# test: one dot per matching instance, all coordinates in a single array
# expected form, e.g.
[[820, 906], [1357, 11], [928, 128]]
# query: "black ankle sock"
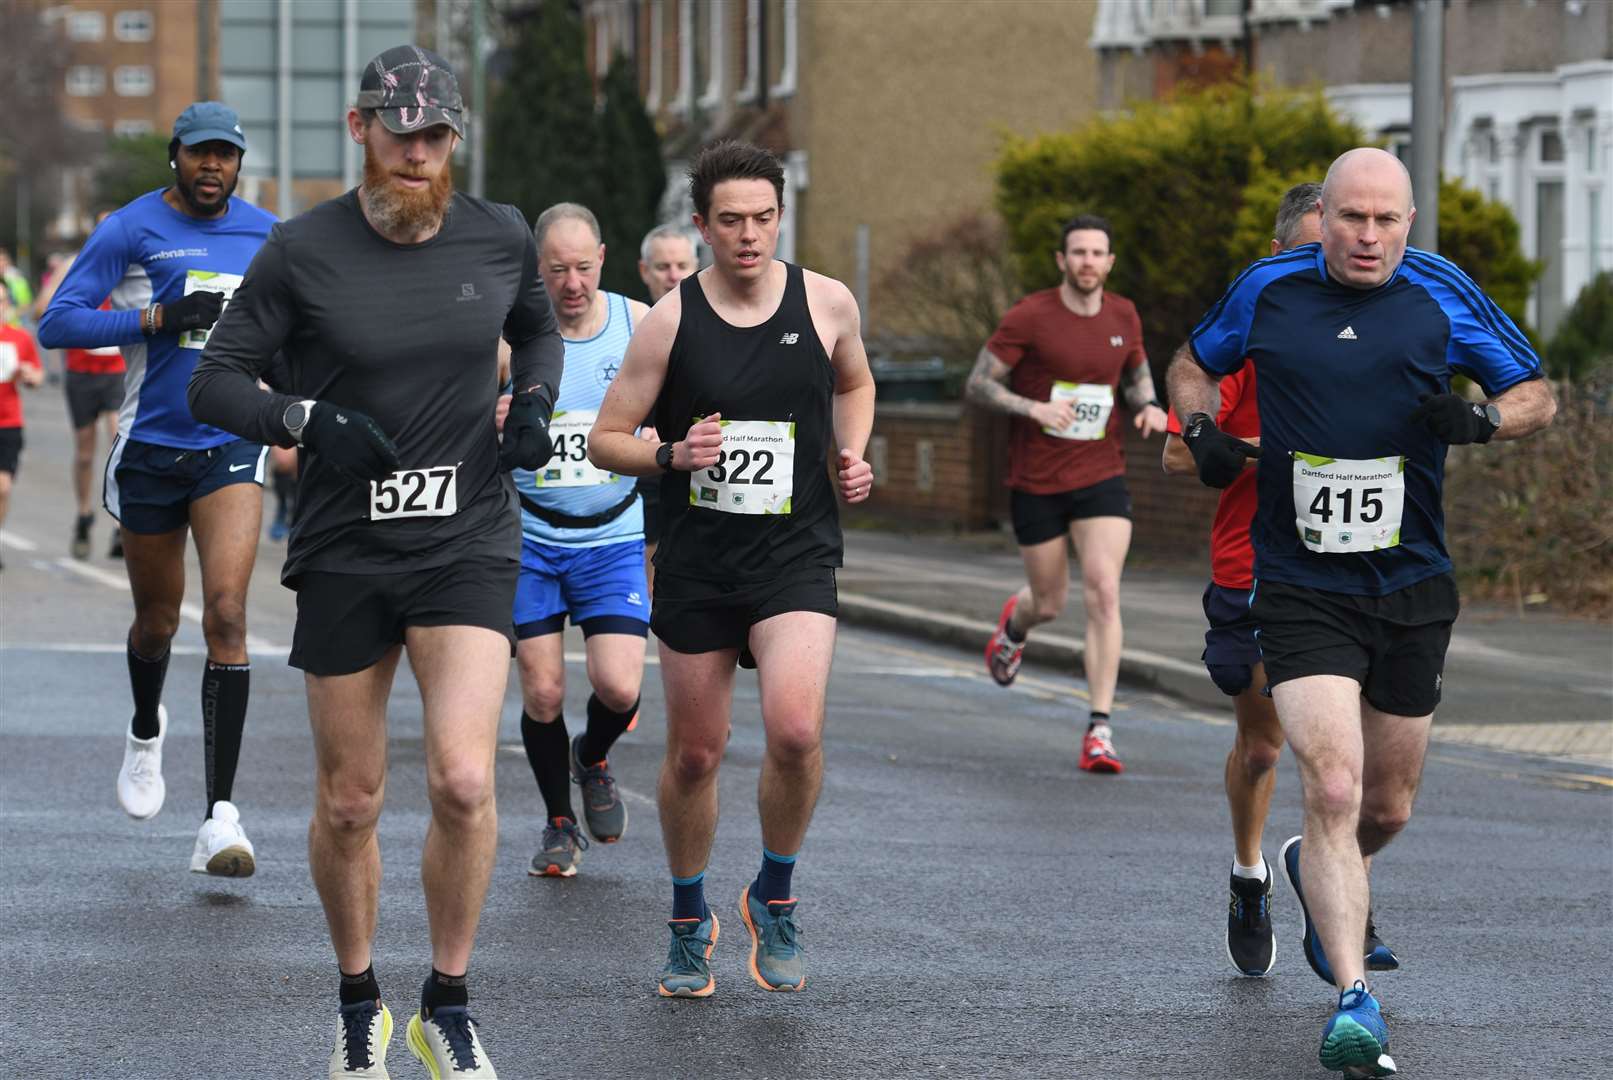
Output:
[[1016, 635], [548, 751], [224, 694], [604, 728], [689, 897], [145, 681], [443, 990], [359, 988], [1096, 719]]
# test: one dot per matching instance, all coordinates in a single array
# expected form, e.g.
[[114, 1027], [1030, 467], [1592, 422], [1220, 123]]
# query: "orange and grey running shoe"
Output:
[[776, 961], [688, 961], [1098, 751], [1003, 653], [560, 850]]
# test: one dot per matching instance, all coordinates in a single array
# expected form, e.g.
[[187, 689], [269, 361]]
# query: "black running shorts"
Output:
[[1039, 518], [1393, 645], [10, 448], [649, 489], [347, 622], [91, 393], [694, 616]]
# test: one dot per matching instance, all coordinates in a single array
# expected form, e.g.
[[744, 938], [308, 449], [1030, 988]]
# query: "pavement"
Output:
[[1531, 683]]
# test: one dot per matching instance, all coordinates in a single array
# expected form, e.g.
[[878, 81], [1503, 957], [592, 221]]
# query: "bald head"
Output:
[[1366, 215]]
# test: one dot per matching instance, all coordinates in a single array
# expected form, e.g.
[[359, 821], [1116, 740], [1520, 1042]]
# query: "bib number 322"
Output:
[[755, 473], [1343, 505], [415, 493]]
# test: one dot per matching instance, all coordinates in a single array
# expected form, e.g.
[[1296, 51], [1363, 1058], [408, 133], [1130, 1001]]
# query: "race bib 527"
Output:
[[416, 493]]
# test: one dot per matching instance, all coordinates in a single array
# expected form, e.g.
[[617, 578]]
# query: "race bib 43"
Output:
[[755, 470], [1341, 504], [570, 466]]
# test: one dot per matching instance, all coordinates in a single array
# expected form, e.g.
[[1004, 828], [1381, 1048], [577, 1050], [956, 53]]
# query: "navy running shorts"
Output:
[[602, 588], [149, 488], [1230, 649]]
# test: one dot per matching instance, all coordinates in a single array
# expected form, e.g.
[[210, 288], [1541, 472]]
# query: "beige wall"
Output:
[[902, 105], [171, 54]]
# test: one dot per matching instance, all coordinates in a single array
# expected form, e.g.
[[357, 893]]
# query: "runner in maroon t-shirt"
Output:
[[1054, 365], [1232, 654]]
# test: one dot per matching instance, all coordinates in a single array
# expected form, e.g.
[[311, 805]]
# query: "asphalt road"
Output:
[[971, 904]]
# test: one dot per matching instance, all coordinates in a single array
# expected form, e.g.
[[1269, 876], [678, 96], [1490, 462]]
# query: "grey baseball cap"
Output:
[[411, 89]]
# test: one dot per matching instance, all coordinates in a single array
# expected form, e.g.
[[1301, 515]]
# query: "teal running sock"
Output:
[[773, 883]]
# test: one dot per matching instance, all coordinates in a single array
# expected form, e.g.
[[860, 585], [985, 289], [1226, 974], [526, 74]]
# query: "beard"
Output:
[[198, 208], [395, 210], [1082, 290]]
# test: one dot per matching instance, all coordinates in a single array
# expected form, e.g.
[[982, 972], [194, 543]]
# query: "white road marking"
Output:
[[11, 539]]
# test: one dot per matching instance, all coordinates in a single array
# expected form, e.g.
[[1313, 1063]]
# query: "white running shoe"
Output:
[[448, 1046], [222, 848], [140, 784], [362, 1034]]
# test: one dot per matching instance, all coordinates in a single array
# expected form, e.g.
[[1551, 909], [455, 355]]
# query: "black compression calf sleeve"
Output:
[[548, 751], [604, 728], [224, 694], [145, 682]]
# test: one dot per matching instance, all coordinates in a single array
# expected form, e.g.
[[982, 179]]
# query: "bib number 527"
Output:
[[413, 493]]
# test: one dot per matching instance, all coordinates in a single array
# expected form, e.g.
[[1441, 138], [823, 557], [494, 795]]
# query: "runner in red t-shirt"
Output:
[[19, 363], [93, 385], [1232, 654], [1054, 365]]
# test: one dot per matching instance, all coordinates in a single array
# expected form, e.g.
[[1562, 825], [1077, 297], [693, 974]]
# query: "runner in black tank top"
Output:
[[776, 371], [757, 375]]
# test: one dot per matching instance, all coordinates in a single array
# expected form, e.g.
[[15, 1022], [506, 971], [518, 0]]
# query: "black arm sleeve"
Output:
[[537, 355], [243, 345]]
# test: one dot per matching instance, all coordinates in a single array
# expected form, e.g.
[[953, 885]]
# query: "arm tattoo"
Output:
[[987, 387], [1139, 388]]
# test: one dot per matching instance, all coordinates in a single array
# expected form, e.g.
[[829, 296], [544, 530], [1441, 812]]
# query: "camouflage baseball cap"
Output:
[[411, 89]]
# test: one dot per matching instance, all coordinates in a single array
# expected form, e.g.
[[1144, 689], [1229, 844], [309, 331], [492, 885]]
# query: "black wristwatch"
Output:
[[663, 456], [1493, 415]]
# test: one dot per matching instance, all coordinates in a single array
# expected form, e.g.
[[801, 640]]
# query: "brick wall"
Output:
[[942, 464]]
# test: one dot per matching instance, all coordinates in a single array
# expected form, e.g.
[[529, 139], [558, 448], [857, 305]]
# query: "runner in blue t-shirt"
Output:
[[169, 261], [1355, 342], [582, 554]]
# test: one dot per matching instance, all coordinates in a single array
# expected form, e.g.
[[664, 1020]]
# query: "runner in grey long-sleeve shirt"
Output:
[[388, 303]]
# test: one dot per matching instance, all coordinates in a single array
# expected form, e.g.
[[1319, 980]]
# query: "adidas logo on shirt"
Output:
[[1347, 334]]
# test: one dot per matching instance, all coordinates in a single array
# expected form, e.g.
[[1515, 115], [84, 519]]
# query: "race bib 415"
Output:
[[1343, 505]]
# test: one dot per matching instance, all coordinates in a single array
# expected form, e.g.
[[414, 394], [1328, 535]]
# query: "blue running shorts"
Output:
[[602, 588], [149, 487], [1230, 648]]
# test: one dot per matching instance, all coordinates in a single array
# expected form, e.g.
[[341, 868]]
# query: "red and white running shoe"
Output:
[[1003, 653], [1098, 751]]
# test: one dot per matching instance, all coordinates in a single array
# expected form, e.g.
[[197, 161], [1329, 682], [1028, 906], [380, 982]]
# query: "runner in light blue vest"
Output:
[[582, 555]]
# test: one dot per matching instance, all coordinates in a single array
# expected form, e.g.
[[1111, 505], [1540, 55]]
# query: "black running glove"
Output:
[[350, 442], [1219, 456], [527, 444], [1453, 419], [198, 311]]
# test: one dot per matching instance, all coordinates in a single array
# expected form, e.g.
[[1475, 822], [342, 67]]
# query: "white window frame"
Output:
[[750, 88], [127, 80], [716, 38], [85, 80], [652, 99], [145, 31], [86, 26], [786, 76]]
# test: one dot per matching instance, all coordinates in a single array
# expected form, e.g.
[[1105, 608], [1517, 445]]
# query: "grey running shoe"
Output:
[[602, 806], [563, 845], [688, 961], [446, 1043], [362, 1034], [776, 962]]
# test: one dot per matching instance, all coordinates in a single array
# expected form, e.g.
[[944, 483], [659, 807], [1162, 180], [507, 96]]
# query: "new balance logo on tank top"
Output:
[[768, 506], [569, 484], [148, 252], [1348, 488]]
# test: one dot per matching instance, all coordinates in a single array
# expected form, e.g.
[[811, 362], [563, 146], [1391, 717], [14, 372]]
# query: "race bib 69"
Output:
[[1092, 404]]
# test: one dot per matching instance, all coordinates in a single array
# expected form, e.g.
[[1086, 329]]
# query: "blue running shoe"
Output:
[[1356, 1042], [1379, 956], [1310, 938], [688, 962], [776, 962]]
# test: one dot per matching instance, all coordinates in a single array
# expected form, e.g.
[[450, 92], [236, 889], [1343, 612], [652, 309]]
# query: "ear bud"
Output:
[[172, 165]]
